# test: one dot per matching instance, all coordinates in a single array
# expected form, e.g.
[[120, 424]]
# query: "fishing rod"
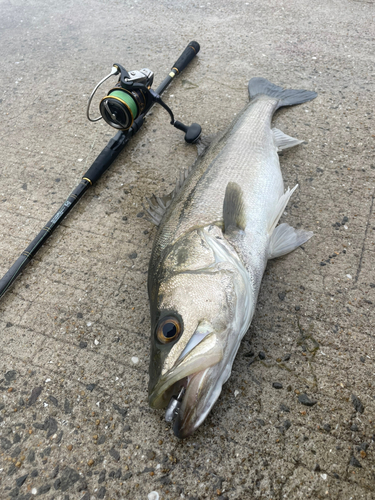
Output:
[[124, 108]]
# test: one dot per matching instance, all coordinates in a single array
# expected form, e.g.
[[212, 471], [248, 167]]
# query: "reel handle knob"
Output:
[[192, 133], [188, 54]]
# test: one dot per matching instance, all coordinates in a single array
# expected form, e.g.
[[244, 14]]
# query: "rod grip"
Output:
[[188, 54], [106, 157]]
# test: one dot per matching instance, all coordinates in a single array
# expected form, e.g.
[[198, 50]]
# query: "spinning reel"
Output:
[[127, 103]]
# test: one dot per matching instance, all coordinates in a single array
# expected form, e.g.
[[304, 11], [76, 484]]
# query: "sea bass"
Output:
[[217, 230]]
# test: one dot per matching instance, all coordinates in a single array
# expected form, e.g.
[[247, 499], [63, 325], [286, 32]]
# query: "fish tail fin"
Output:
[[286, 97]]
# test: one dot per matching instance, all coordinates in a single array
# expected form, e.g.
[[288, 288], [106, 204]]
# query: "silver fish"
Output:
[[217, 230]]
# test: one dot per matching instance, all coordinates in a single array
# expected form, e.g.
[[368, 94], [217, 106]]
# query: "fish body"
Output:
[[216, 233]]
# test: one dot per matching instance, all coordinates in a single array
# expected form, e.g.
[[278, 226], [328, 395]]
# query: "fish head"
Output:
[[197, 310]]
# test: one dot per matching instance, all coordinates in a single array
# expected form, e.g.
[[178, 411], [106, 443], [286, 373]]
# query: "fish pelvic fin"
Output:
[[157, 205], [279, 208], [285, 239], [234, 208], [285, 97], [283, 141]]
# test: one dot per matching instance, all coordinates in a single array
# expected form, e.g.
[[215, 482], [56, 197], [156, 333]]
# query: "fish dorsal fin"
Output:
[[285, 239], [279, 208], [204, 143], [158, 204], [234, 208], [283, 141]]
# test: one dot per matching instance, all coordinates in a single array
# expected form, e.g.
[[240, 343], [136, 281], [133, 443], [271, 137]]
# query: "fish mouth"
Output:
[[199, 397], [193, 374]]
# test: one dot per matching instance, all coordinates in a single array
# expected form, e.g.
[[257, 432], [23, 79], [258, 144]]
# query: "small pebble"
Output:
[[354, 462], [90, 462], [154, 495], [277, 385], [135, 360], [305, 400], [287, 424], [21, 480], [114, 454], [262, 355], [357, 404]]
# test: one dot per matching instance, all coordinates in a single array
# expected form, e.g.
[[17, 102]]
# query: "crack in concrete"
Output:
[[359, 268]]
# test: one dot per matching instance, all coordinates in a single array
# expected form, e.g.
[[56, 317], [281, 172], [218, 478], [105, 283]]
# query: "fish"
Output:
[[216, 232]]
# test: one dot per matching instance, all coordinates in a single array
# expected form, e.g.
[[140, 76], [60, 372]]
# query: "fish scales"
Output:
[[209, 256], [242, 159]]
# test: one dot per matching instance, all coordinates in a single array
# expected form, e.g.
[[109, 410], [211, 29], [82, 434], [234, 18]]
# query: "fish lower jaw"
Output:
[[190, 415], [206, 354], [182, 400]]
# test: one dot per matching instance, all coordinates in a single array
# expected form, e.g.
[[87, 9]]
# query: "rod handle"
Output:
[[188, 54], [106, 157]]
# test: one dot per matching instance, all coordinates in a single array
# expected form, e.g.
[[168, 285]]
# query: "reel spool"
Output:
[[120, 107]]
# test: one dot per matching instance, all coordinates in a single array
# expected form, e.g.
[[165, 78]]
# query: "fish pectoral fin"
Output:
[[283, 141], [279, 208], [285, 239], [234, 208]]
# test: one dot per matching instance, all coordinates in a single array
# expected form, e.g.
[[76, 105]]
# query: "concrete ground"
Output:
[[74, 419]]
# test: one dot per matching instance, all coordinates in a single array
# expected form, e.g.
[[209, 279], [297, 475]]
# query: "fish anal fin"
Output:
[[285, 239], [234, 208], [284, 141], [280, 207]]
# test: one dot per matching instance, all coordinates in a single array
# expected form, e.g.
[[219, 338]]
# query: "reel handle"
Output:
[[188, 54]]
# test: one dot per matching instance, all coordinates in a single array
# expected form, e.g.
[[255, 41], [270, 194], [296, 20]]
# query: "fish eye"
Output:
[[168, 329]]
